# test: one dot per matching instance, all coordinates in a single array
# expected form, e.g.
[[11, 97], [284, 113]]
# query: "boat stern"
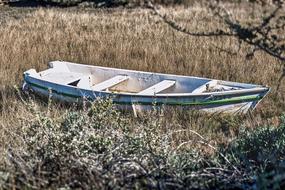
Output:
[[26, 75]]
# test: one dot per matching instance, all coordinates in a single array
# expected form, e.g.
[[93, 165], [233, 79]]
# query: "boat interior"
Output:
[[132, 82]]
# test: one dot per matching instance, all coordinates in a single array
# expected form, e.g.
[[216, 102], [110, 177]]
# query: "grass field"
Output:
[[181, 144]]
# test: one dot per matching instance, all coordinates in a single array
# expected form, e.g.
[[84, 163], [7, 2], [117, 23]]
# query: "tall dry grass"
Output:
[[135, 39], [131, 39]]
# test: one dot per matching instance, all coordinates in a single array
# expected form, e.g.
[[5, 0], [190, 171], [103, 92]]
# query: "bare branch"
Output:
[[177, 27], [262, 37]]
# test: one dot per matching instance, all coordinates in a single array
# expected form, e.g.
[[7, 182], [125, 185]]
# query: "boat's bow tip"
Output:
[[267, 88]]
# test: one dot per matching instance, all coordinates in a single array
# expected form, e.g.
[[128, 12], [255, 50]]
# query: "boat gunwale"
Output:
[[224, 101], [173, 95]]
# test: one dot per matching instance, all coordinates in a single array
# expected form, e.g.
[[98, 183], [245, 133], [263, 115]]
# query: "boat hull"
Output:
[[234, 103]]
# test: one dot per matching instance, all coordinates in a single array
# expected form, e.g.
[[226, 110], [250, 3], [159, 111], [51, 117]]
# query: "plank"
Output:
[[110, 82], [61, 77], [163, 85]]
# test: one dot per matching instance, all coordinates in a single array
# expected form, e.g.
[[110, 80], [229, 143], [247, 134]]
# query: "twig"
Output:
[[258, 36], [204, 142]]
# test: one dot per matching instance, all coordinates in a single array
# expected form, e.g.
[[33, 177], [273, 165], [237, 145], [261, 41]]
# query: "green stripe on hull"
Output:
[[225, 101]]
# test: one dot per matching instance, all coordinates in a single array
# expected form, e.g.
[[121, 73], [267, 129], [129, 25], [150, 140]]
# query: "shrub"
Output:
[[261, 152], [99, 148]]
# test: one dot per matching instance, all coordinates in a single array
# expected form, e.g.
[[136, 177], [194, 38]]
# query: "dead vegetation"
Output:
[[131, 39]]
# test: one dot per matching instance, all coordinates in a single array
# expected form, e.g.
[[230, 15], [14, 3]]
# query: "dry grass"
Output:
[[131, 39], [134, 39]]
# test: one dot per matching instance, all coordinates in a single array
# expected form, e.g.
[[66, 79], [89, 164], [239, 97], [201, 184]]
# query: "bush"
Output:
[[100, 148], [96, 148], [261, 152], [65, 149]]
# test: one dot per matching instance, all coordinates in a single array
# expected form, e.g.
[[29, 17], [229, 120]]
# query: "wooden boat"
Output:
[[72, 82]]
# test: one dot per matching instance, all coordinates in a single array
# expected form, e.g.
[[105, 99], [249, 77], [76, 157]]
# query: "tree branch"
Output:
[[262, 37]]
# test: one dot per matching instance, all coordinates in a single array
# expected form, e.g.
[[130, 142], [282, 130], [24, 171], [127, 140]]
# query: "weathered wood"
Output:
[[163, 85], [66, 78], [110, 82]]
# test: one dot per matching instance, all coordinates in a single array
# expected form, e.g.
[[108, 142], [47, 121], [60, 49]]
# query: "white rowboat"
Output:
[[72, 82]]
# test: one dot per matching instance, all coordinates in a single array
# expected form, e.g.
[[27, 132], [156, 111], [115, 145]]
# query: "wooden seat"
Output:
[[163, 85], [61, 77], [110, 82]]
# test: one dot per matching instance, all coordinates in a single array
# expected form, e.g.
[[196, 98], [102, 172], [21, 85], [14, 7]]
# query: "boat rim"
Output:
[[220, 93]]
